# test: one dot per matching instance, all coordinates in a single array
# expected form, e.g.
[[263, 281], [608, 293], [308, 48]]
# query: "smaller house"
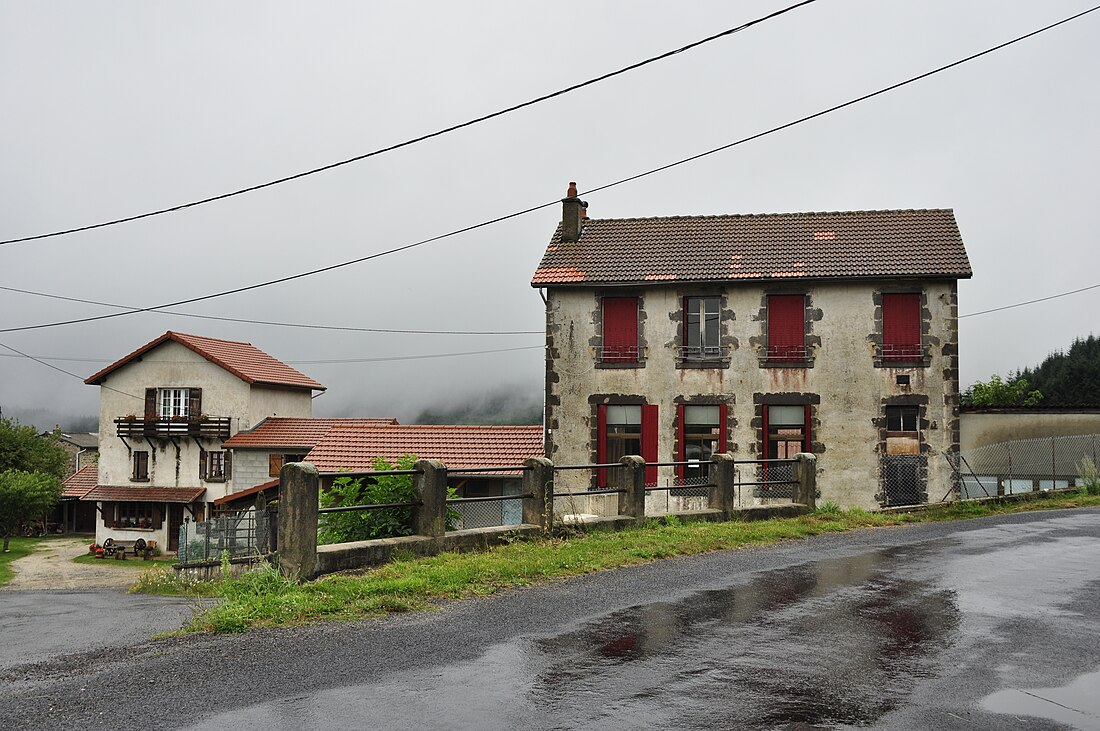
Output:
[[354, 445], [71, 514], [82, 448]]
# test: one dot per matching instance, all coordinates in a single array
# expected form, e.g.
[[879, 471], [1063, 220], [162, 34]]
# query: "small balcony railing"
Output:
[[787, 353], [210, 427], [619, 354], [703, 352], [901, 353]]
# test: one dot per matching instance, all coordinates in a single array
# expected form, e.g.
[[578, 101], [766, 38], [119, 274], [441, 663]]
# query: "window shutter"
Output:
[[157, 512], [202, 464], [681, 453], [601, 444], [274, 464], [228, 464], [649, 442], [107, 513], [723, 409], [620, 330], [150, 404], [194, 403], [807, 441], [901, 326], [786, 327]]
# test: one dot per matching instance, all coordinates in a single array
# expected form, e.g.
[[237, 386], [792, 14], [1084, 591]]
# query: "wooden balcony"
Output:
[[210, 427]]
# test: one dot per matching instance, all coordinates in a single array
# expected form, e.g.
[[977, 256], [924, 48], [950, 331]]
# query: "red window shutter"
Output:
[[649, 442], [620, 330], [150, 404], [901, 327], [681, 452], [722, 411], [786, 327], [807, 439], [601, 444]]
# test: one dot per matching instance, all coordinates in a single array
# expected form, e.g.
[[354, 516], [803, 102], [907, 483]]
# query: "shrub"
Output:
[[1090, 479]]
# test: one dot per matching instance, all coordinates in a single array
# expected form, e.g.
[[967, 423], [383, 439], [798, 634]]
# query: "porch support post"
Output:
[[721, 494], [538, 482], [632, 480], [299, 493], [805, 472]]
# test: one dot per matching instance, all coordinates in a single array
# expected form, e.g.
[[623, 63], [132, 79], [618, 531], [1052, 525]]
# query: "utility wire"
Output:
[[1030, 302], [307, 326], [421, 138], [531, 209], [62, 370]]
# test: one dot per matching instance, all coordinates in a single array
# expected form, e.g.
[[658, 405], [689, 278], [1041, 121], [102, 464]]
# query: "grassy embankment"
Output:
[[264, 599]]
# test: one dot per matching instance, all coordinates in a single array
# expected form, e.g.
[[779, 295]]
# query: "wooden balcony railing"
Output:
[[210, 427]]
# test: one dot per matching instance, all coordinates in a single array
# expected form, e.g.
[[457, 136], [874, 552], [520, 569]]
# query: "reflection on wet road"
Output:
[[824, 644]]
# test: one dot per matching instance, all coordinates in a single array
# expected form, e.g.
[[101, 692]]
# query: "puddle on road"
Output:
[[1077, 703], [832, 642]]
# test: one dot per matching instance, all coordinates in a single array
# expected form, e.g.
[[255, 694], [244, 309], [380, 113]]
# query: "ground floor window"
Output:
[[624, 430], [786, 431], [131, 515], [702, 434]]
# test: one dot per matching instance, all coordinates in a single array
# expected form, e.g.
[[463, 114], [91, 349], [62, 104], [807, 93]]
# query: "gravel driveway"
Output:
[[51, 567]]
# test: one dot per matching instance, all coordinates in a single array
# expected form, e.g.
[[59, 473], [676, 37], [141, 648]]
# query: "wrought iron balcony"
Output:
[[907, 353], [703, 352], [785, 353], [619, 354], [209, 427]]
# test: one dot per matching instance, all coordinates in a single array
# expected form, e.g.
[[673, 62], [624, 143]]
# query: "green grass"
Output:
[[264, 599], [18, 548], [129, 563]]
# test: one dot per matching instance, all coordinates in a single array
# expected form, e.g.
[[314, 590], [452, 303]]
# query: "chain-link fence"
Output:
[[487, 513], [904, 479], [244, 534], [1023, 465]]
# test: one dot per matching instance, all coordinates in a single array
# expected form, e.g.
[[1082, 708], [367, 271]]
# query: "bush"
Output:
[[1090, 480]]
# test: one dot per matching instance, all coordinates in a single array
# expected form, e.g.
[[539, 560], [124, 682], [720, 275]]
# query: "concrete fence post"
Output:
[[430, 519], [722, 493], [805, 472], [538, 482], [299, 493], [632, 480]]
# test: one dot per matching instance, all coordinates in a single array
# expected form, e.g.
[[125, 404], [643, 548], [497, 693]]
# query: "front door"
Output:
[[175, 520]]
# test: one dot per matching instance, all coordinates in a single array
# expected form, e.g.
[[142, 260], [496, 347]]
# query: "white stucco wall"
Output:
[[851, 389], [175, 462]]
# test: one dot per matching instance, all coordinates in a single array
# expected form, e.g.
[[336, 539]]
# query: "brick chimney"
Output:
[[573, 213]]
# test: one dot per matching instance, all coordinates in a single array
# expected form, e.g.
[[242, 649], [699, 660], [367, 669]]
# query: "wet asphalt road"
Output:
[[984, 624]]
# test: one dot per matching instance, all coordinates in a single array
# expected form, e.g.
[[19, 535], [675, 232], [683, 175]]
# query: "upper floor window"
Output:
[[275, 462], [173, 402], [786, 328], [140, 471], [620, 330], [702, 334], [901, 328], [215, 466]]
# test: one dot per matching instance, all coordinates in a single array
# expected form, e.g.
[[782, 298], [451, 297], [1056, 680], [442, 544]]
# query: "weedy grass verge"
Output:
[[263, 598]]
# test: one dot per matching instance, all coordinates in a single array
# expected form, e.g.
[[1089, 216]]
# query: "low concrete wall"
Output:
[[981, 427], [212, 570], [361, 554]]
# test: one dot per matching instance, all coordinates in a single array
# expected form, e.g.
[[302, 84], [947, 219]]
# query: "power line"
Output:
[[62, 370], [329, 361], [531, 209], [1030, 302], [421, 138], [346, 328]]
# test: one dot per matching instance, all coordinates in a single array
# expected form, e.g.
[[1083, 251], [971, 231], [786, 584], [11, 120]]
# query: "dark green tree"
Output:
[[1069, 378], [22, 449], [998, 392], [25, 497]]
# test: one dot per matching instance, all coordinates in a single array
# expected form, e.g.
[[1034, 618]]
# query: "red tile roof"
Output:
[[80, 483], [356, 447], [778, 246], [243, 360], [279, 431], [145, 494], [243, 494]]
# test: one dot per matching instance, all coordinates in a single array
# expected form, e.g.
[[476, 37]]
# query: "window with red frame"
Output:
[[620, 330], [901, 338], [623, 430], [702, 434], [786, 327]]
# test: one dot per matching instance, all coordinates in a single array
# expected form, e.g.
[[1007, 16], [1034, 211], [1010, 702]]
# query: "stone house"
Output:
[[165, 413], [761, 335]]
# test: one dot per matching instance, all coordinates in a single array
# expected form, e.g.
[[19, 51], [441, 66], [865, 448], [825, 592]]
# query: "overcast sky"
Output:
[[115, 108]]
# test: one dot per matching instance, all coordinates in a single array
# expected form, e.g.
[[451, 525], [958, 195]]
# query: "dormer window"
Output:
[[173, 402]]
